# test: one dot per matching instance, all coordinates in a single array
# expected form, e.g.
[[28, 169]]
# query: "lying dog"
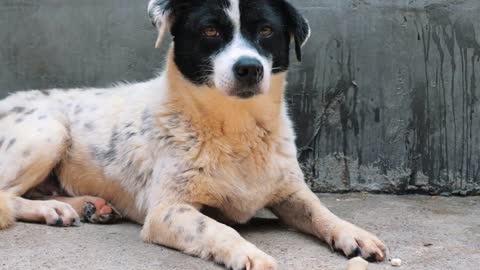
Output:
[[209, 137]]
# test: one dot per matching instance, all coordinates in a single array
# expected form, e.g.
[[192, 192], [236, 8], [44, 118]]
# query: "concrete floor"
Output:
[[426, 233]]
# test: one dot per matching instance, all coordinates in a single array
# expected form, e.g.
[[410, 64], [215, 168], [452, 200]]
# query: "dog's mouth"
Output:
[[244, 93], [231, 87]]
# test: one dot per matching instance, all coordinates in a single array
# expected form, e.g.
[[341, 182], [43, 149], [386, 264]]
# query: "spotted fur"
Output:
[[165, 151]]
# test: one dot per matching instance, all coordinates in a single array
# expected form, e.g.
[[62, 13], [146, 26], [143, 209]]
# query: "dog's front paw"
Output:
[[353, 242], [250, 257]]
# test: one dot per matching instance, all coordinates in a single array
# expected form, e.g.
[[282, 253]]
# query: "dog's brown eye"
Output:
[[265, 31], [211, 32]]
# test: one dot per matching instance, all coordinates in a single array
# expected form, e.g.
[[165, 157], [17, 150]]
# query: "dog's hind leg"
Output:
[[29, 150], [92, 209]]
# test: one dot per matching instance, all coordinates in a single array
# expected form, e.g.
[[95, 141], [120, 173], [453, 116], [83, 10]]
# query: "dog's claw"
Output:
[[355, 253], [76, 222], [59, 222], [372, 258], [355, 242]]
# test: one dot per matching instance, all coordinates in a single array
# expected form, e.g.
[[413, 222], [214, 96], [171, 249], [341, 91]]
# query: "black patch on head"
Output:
[[285, 21], [259, 13], [193, 50], [297, 25]]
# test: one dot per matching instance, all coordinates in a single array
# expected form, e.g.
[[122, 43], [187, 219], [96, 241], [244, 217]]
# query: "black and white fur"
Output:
[[211, 60]]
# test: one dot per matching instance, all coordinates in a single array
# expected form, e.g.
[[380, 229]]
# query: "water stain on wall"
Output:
[[417, 135]]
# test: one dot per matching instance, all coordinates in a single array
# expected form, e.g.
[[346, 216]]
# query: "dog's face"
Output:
[[234, 46]]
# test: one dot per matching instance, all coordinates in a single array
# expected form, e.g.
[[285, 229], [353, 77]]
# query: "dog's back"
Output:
[[83, 135]]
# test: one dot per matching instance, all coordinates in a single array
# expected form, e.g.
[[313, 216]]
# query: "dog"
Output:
[[208, 140]]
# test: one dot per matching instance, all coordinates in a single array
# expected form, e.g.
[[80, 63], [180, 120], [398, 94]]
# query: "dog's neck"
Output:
[[209, 109]]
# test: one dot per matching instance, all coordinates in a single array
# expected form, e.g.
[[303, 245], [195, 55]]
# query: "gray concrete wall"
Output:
[[386, 100]]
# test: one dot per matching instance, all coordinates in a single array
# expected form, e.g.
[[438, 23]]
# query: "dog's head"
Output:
[[235, 46]]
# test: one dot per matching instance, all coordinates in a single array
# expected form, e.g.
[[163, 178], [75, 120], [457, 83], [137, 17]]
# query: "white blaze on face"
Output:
[[234, 13], [223, 62]]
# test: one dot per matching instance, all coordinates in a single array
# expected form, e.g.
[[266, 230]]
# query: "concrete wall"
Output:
[[387, 98]]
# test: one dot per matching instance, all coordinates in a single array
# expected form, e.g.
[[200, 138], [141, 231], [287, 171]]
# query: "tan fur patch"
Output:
[[79, 177], [237, 139]]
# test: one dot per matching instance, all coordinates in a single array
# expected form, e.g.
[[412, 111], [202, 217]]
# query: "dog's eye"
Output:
[[211, 32], [265, 31]]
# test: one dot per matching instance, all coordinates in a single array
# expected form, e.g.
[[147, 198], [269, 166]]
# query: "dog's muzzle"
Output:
[[249, 73]]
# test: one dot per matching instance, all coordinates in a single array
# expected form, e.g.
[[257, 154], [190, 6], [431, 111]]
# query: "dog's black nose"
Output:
[[248, 71]]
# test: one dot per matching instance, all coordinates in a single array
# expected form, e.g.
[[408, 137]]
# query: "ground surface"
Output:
[[426, 233]]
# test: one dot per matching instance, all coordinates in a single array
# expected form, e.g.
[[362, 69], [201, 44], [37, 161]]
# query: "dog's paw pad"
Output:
[[99, 212]]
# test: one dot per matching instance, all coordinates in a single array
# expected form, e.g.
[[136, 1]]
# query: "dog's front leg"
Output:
[[301, 209], [183, 227]]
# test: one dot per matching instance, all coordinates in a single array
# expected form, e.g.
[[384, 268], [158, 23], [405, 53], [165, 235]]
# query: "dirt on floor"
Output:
[[425, 232]]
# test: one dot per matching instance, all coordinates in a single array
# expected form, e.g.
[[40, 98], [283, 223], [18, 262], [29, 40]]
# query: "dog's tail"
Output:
[[7, 217]]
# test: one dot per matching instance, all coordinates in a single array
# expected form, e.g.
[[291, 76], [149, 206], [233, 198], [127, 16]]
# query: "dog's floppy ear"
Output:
[[161, 15], [297, 26]]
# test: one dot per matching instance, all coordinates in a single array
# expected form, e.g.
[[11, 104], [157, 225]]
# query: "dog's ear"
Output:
[[298, 27], [161, 15]]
